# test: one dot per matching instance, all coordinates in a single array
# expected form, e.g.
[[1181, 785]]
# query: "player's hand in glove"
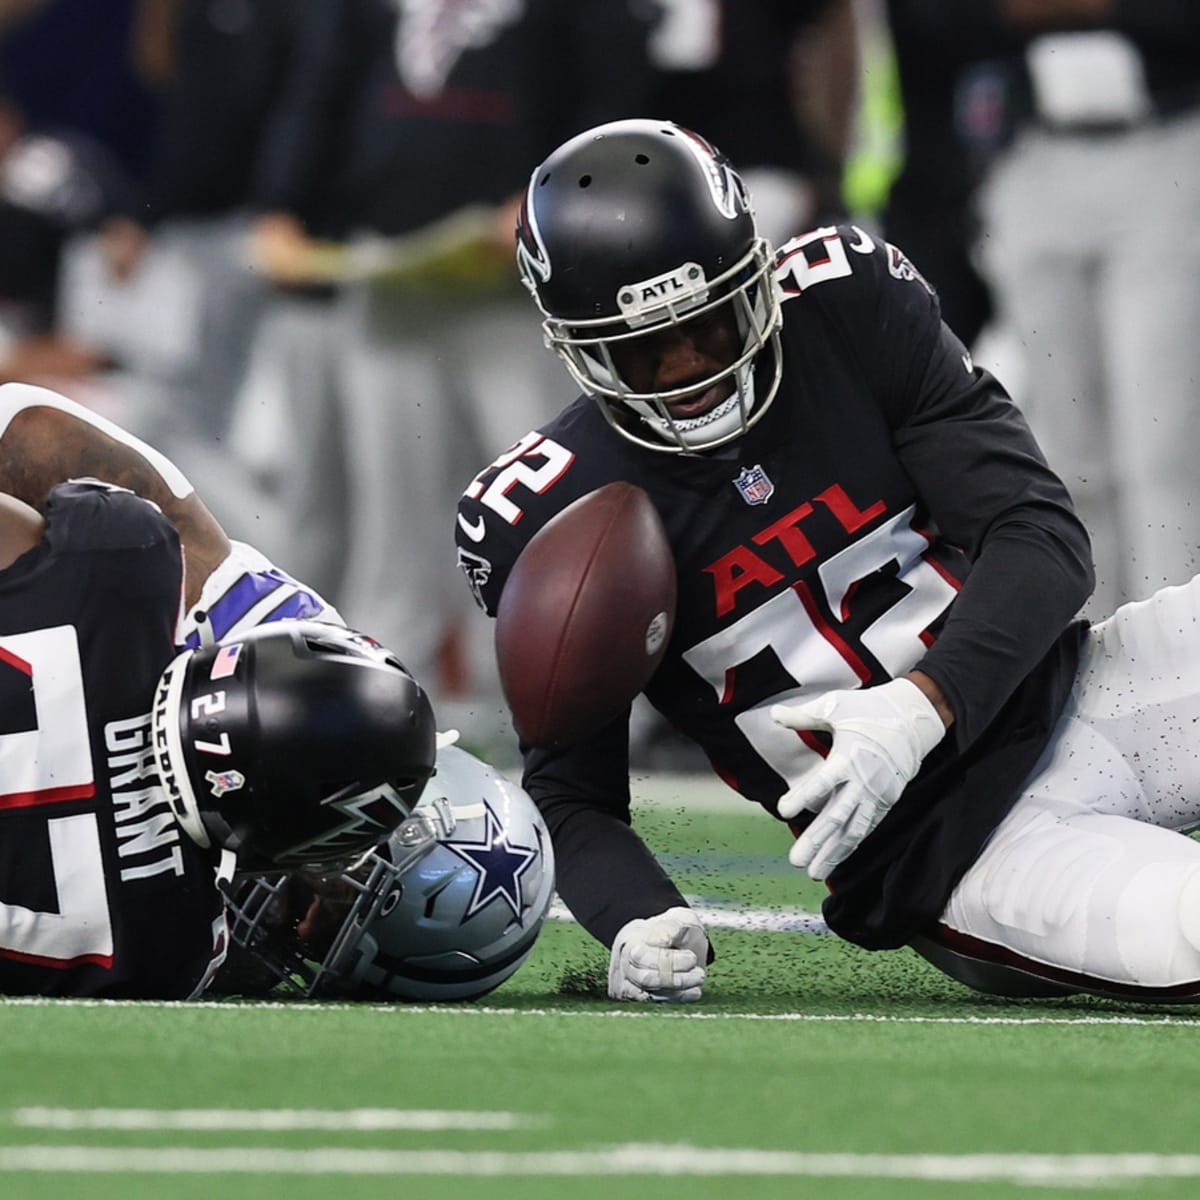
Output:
[[881, 735], [661, 958]]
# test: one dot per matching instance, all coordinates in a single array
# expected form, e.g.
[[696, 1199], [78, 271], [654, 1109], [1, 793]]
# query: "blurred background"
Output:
[[274, 238]]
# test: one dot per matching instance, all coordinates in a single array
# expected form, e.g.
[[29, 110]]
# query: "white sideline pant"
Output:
[[1092, 247]]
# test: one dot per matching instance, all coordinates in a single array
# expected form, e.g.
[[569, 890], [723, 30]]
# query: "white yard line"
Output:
[[1079, 1170], [632, 1012], [267, 1119], [719, 916]]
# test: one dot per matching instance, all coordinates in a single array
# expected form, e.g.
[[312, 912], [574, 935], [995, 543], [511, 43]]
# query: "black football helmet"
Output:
[[298, 743], [634, 226]]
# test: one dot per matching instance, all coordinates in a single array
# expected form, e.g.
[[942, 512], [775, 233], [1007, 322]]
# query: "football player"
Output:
[[140, 758], [879, 576]]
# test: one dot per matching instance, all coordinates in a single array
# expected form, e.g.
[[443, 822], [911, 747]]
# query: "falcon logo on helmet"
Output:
[[729, 193], [532, 259]]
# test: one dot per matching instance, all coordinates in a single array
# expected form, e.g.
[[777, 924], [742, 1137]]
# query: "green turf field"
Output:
[[810, 1068]]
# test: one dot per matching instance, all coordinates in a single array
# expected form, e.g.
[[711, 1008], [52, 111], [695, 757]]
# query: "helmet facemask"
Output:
[[266, 910], [378, 881], [748, 289]]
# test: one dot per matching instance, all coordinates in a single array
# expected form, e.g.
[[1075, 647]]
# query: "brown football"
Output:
[[585, 615]]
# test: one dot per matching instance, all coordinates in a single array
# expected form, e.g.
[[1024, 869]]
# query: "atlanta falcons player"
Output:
[[129, 772], [879, 577]]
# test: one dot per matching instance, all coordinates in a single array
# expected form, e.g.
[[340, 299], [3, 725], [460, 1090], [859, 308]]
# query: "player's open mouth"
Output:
[[699, 403]]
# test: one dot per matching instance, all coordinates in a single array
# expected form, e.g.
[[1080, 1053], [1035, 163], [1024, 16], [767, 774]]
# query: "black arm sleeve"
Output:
[[299, 139], [605, 873], [974, 461]]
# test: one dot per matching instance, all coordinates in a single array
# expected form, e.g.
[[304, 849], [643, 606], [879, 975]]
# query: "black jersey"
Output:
[[729, 69], [100, 892], [397, 114], [830, 547]]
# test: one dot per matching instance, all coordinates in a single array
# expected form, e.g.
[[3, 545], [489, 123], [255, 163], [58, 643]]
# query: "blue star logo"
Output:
[[498, 863]]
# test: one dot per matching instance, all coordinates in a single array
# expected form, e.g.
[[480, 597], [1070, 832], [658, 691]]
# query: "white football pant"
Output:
[[1089, 884]]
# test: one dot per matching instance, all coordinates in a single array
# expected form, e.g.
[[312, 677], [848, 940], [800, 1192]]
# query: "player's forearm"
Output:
[[46, 439], [1027, 585], [932, 692], [605, 873]]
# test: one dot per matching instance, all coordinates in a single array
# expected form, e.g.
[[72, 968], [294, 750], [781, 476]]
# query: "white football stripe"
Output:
[[783, 920], [617, 1012], [1078, 1170], [270, 1119]]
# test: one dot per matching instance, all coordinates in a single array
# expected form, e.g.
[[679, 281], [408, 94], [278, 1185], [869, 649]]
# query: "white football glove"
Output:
[[662, 958], [881, 735]]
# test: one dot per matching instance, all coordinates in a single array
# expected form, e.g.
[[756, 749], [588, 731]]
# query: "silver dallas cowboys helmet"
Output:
[[447, 909]]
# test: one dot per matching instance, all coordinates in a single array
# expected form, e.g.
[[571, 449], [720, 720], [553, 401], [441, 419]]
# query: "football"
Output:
[[585, 615]]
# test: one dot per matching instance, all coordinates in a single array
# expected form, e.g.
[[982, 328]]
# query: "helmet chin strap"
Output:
[[226, 868]]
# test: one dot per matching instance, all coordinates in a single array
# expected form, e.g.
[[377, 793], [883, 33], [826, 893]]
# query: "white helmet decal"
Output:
[[729, 195], [532, 257]]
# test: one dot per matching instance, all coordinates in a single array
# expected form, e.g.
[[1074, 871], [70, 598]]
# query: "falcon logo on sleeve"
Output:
[[900, 267], [478, 571]]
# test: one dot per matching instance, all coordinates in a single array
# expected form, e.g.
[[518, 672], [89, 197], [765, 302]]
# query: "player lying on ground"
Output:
[[131, 772], [878, 580]]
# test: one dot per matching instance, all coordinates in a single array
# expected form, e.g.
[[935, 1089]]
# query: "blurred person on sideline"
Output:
[[53, 184], [77, 65], [391, 179], [952, 118], [168, 285], [773, 83], [1089, 240], [76, 122]]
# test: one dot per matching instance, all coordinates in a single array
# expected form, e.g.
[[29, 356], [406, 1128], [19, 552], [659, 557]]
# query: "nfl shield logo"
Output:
[[754, 485]]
